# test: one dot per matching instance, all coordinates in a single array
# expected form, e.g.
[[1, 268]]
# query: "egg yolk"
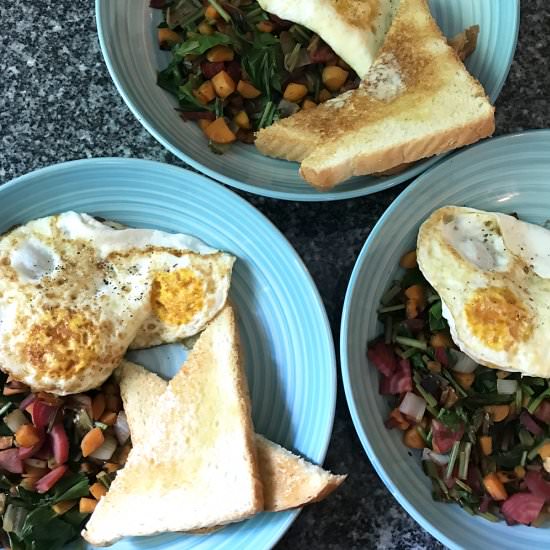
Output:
[[62, 342], [177, 296], [498, 318]]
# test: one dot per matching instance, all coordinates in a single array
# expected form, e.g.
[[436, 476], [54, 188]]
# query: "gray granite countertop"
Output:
[[57, 102]]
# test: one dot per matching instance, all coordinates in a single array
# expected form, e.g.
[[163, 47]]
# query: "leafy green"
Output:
[[435, 317], [71, 487], [44, 530], [199, 44], [171, 77], [187, 101], [450, 418]]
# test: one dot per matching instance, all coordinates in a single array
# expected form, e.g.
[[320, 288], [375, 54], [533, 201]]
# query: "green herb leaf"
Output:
[[435, 317], [199, 44], [71, 487]]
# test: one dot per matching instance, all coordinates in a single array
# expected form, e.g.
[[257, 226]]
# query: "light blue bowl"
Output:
[[508, 174], [127, 34], [288, 349]]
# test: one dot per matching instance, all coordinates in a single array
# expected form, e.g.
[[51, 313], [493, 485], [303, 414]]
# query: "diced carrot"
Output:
[[486, 444], [87, 505], [324, 95], [295, 92], [29, 483], [111, 467], [98, 406], [205, 93], [61, 507], [441, 340], [223, 84], [6, 442], [91, 441], [494, 487], [33, 471], [241, 120], [113, 403], [247, 90], [415, 292], [308, 104], [519, 471], [211, 13], [544, 451], [413, 439], [204, 123], [98, 490], [334, 77], [498, 412], [408, 260], [108, 418], [27, 435], [465, 379], [205, 28], [265, 26], [167, 37], [219, 132], [505, 477], [220, 53], [399, 419]]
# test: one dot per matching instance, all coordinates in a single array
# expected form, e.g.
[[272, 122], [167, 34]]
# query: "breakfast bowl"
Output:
[[508, 174], [128, 38], [288, 354]]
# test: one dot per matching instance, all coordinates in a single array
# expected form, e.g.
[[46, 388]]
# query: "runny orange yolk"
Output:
[[177, 296], [498, 318]]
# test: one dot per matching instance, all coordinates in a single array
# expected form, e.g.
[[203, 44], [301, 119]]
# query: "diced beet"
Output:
[[28, 452], [414, 325], [45, 452], [474, 478], [543, 412], [522, 508], [485, 503], [538, 485], [27, 401], [443, 438], [211, 69], [530, 423], [10, 461], [44, 484], [59, 443], [198, 115], [383, 357], [157, 4], [322, 54], [400, 381], [441, 356], [42, 413], [233, 69]]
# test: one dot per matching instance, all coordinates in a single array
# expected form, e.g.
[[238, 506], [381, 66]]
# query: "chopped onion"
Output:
[[462, 363], [439, 459], [105, 452], [413, 406], [15, 420], [122, 430], [36, 463], [507, 387]]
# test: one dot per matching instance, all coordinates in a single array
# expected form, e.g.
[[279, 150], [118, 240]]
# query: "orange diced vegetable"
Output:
[[295, 92], [111, 467], [108, 418], [505, 477], [544, 451], [33, 471], [98, 490], [247, 90], [265, 26], [486, 444], [334, 77], [29, 483], [408, 260], [91, 441], [465, 379], [205, 93], [308, 104], [220, 53], [434, 366], [415, 292], [413, 439], [87, 468], [519, 471], [223, 84], [87, 505], [324, 95], [98, 406], [211, 13], [168, 37], [400, 421], [219, 132], [27, 435], [498, 412], [205, 28], [495, 487], [204, 123], [440, 340], [61, 507], [241, 120]]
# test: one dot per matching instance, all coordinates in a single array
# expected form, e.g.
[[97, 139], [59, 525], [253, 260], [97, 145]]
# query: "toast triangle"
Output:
[[197, 468], [416, 101], [289, 481]]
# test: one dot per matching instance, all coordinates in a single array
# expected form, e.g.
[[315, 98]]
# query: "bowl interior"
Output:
[[128, 40], [509, 174], [286, 339]]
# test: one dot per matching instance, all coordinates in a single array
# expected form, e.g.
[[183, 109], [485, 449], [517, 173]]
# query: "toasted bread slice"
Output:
[[288, 480], [197, 468], [416, 101], [354, 29]]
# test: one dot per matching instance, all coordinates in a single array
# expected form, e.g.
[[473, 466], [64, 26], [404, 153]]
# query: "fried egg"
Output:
[[75, 293], [492, 273]]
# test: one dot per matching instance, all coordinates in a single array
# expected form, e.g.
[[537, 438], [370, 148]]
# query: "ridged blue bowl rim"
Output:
[[345, 330], [320, 197]]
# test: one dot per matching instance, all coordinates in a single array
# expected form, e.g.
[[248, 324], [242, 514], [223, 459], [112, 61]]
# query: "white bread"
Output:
[[197, 468], [288, 480], [416, 101]]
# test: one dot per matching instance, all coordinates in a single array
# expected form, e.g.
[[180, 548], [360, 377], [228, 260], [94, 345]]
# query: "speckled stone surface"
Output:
[[57, 103]]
